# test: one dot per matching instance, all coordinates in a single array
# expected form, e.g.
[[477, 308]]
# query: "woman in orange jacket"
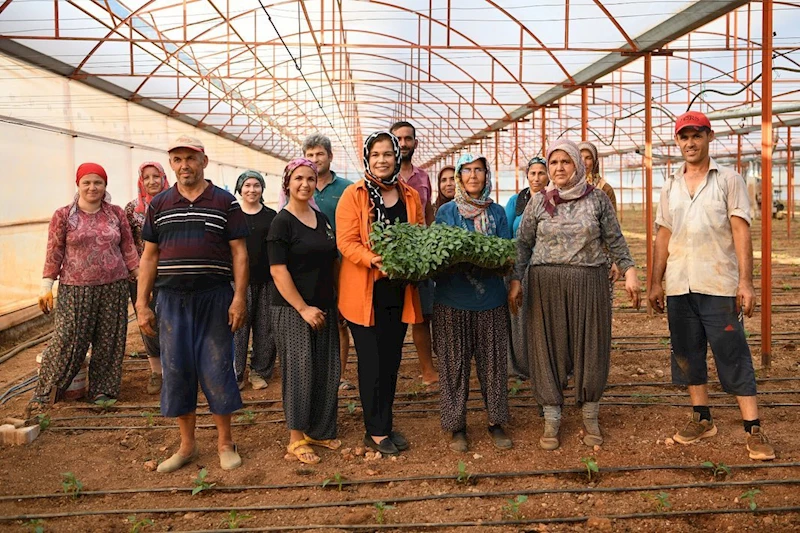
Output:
[[377, 309]]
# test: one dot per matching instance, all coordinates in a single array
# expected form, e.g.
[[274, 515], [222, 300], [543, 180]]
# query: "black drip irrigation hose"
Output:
[[407, 499], [407, 479], [520, 522]]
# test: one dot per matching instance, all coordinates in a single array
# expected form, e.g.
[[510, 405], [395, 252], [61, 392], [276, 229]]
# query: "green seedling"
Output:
[[200, 483], [35, 525], [662, 501], [233, 520], [511, 508], [786, 287], [149, 415], [71, 484], [464, 477], [247, 416], [417, 389], [105, 405], [351, 407], [337, 479], [381, 507], [750, 497], [515, 388], [592, 470], [718, 470], [139, 525], [664, 341], [44, 421]]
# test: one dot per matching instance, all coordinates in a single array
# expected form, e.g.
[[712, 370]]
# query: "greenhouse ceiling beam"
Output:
[[691, 18]]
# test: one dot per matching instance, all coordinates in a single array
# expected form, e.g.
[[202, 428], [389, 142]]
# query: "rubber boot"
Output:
[[552, 423], [593, 436]]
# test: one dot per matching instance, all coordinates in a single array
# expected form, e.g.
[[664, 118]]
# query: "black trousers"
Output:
[[379, 350]]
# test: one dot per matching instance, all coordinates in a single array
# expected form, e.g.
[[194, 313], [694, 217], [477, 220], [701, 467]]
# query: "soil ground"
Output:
[[637, 417]]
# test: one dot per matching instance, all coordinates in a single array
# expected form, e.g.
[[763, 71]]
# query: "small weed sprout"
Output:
[[233, 520], [337, 479], [515, 388], [200, 483], [105, 405], [786, 287], [71, 484], [662, 501], [718, 470], [247, 416], [418, 389], [592, 470], [664, 341], [44, 421], [464, 477], [381, 508], [148, 415], [35, 526], [511, 508], [750, 497], [138, 525], [351, 407]]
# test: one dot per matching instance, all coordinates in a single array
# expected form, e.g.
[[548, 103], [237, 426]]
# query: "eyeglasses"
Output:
[[475, 171]]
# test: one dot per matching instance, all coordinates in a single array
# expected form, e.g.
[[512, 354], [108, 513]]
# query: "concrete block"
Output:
[[18, 436], [26, 435], [7, 434]]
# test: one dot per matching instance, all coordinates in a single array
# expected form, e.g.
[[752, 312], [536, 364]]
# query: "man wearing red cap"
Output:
[[704, 252], [194, 247]]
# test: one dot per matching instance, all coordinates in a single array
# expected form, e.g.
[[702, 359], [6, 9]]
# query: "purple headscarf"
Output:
[[294, 164]]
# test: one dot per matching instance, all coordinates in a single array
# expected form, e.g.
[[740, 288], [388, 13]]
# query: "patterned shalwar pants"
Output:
[[262, 360]]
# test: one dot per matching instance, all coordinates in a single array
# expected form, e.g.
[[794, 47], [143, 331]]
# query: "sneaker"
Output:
[[695, 430], [154, 384], [257, 381], [758, 445]]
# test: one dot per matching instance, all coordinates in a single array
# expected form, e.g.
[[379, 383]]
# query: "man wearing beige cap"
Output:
[[194, 237], [704, 250]]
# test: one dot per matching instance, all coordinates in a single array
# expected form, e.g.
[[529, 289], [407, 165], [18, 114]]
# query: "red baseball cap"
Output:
[[692, 119]]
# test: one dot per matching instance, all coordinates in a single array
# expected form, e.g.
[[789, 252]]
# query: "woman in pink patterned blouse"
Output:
[[90, 251], [152, 180]]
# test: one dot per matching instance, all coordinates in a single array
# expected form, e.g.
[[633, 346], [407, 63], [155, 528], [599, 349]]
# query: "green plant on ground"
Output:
[[464, 477], [139, 524], [71, 484], [750, 497], [233, 520], [417, 389], [105, 405], [786, 287], [515, 388], [592, 470], [718, 470], [664, 341], [247, 416], [35, 525], [351, 407], [44, 421], [662, 501], [511, 508], [200, 483], [381, 508], [337, 479], [149, 415]]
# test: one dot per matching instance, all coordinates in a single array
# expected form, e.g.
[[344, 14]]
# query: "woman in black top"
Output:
[[303, 255], [250, 187]]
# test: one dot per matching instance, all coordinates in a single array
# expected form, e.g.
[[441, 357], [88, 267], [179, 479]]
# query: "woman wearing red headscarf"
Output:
[[90, 250], [152, 180]]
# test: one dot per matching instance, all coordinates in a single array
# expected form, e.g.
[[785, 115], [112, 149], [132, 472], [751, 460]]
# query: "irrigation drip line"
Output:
[[409, 499], [520, 522], [407, 479]]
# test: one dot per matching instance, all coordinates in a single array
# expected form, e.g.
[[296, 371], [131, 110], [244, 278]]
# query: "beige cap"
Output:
[[185, 141]]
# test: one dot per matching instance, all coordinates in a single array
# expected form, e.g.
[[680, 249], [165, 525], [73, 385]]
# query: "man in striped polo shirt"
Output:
[[194, 246]]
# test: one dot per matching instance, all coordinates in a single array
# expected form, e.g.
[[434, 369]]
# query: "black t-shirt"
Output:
[[257, 244], [397, 213], [309, 255]]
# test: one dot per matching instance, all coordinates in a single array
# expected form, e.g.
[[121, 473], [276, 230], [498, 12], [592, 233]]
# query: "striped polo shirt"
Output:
[[192, 237]]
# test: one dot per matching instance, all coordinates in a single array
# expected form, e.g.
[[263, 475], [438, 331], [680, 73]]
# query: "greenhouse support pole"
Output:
[[789, 183], [584, 114], [648, 167], [766, 184]]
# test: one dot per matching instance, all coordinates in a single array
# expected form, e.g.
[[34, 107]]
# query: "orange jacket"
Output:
[[357, 277]]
